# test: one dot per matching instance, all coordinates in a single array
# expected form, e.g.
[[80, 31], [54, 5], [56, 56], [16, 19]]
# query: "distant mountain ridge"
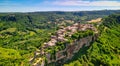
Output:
[[99, 13]]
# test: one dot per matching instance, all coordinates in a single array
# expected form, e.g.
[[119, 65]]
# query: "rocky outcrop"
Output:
[[71, 48]]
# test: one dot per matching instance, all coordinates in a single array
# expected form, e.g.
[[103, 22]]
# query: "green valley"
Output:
[[59, 38]]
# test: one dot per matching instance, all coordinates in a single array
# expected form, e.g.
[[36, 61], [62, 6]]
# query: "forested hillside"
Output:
[[106, 50], [23, 33]]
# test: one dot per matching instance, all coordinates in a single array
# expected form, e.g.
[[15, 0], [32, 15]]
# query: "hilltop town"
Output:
[[60, 37], [69, 30]]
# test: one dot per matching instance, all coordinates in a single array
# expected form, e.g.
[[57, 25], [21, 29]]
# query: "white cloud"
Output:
[[86, 3]]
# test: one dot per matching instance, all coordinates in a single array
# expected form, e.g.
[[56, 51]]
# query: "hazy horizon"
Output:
[[57, 11]]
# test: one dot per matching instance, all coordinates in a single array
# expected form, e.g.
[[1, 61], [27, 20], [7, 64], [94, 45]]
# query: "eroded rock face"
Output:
[[68, 53]]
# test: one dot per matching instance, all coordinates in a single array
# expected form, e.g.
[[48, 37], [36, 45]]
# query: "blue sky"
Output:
[[57, 5]]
